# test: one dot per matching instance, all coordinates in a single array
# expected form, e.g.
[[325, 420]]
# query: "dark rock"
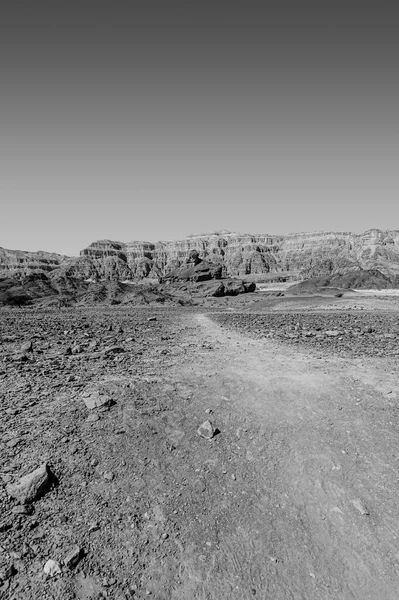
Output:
[[73, 557], [8, 572], [113, 350]]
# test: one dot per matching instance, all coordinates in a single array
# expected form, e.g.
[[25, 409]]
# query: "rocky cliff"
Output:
[[296, 256], [299, 255], [19, 262]]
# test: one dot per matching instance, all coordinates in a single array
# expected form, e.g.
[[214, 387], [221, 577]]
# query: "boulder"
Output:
[[31, 486]]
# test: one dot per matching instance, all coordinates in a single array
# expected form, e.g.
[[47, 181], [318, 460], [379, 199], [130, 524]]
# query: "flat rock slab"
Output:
[[31, 486]]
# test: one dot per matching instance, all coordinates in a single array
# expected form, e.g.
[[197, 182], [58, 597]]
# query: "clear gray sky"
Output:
[[154, 119]]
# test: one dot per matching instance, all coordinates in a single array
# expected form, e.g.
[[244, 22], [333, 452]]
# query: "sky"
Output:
[[156, 119]]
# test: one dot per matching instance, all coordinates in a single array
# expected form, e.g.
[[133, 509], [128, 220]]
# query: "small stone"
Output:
[[199, 486], [27, 347], [14, 442], [206, 430], [23, 509], [96, 400], [359, 505], [73, 557], [52, 568], [113, 350], [29, 487], [208, 411], [151, 319], [332, 333], [108, 475], [93, 418]]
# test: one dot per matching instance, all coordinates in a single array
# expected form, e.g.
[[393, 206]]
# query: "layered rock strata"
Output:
[[297, 255]]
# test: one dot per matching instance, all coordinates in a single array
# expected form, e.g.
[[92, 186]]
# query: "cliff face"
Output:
[[20, 263], [299, 255]]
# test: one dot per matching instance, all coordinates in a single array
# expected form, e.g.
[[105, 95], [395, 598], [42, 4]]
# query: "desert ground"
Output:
[[110, 487]]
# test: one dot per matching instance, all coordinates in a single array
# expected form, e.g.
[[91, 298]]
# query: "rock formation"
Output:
[[292, 256]]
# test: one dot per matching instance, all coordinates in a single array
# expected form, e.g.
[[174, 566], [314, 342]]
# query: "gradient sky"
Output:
[[154, 119]]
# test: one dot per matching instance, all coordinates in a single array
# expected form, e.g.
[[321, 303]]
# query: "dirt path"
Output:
[[306, 504]]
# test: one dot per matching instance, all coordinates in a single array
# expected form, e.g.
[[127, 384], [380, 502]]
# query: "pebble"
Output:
[[108, 475], [93, 418]]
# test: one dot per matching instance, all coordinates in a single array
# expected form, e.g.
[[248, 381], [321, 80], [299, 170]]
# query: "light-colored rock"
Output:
[[29, 487], [96, 399], [27, 347], [52, 568], [360, 506], [206, 430]]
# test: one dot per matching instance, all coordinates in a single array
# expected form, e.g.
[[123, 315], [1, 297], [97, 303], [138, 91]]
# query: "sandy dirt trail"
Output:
[[309, 507]]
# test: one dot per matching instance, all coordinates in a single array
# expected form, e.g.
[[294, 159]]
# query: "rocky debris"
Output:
[[136, 487], [52, 568], [115, 465], [31, 486], [206, 430], [343, 333]]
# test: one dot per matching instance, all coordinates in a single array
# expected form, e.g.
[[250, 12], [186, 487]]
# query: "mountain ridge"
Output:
[[297, 255]]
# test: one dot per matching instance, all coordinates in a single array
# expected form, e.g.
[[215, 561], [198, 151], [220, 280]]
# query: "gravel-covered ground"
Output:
[[361, 334], [292, 497]]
